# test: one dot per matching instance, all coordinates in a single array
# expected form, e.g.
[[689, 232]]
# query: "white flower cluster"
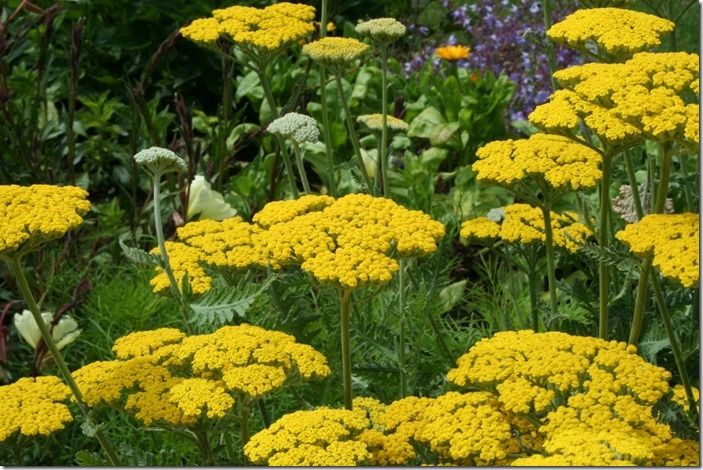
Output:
[[382, 30], [160, 160], [298, 127]]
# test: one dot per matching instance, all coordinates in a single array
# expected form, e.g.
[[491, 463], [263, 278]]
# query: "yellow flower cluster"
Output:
[[349, 241], [614, 31], [679, 396], [335, 51], [184, 260], [646, 91], [524, 224], [268, 29], [565, 110], [375, 122], [177, 379], [593, 398], [33, 407], [559, 161], [452, 53], [321, 437], [673, 239], [33, 215]]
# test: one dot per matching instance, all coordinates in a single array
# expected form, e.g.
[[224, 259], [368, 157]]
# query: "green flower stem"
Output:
[[204, 447], [175, 290], [264, 412], [244, 421], [18, 273], [675, 348], [229, 447], [645, 269], [383, 161], [324, 110], [632, 179], [684, 177], [276, 114], [346, 347], [301, 168], [604, 241], [551, 59], [532, 283], [401, 335], [549, 245], [224, 122], [352, 133]]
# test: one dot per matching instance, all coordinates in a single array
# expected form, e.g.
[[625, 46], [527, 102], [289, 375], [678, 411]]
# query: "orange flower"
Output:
[[452, 53]]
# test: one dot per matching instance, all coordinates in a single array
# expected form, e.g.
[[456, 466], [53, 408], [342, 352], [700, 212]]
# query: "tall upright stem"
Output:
[[276, 114], [645, 269], [352, 134], [224, 122], [301, 168], [549, 245], [604, 241], [383, 159], [532, 283], [401, 335], [18, 273], [551, 58], [346, 347], [244, 421], [324, 110]]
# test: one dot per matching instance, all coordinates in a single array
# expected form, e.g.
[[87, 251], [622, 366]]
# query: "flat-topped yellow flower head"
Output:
[[335, 51], [375, 122], [382, 30], [452, 53], [321, 437], [264, 30], [33, 407], [33, 215], [184, 260], [614, 32], [673, 239], [524, 224], [558, 161]]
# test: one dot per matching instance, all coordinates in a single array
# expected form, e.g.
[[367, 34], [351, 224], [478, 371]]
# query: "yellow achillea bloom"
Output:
[[679, 396], [265, 30], [559, 161], [33, 215], [565, 110], [168, 377], [335, 51], [677, 452], [452, 53], [184, 260], [375, 122], [614, 31], [524, 224], [673, 239], [320, 437], [349, 241], [33, 407]]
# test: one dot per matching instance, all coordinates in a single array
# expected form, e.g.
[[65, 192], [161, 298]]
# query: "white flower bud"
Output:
[[160, 160], [206, 202], [63, 334], [298, 127]]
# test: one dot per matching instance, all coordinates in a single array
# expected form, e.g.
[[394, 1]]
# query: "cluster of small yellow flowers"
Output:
[[593, 398], [565, 110], [614, 31], [691, 131], [225, 244], [375, 122], [561, 162], [677, 452], [277, 212], [673, 239], [479, 228], [646, 91], [522, 223], [335, 51], [33, 407], [679, 396], [452, 53], [348, 241], [320, 437], [267, 30], [194, 395], [184, 260], [33, 215], [177, 379]]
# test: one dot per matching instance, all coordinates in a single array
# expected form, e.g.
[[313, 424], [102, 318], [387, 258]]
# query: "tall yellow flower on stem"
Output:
[[31, 216]]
